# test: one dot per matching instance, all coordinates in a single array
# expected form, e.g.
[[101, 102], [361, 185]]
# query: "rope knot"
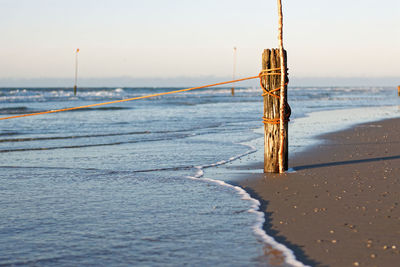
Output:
[[271, 72]]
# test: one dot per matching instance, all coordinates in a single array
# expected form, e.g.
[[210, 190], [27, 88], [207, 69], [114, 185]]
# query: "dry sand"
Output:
[[341, 206]]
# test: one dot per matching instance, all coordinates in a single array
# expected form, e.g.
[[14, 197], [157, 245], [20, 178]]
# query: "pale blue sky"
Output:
[[170, 38]]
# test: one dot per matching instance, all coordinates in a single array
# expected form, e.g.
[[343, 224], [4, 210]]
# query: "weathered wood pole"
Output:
[[234, 69], [283, 126], [272, 84], [76, 71], [398, 90]]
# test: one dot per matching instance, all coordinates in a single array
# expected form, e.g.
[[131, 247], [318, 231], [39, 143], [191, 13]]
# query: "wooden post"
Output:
[[234, 69], [398, 90], [271, 60], [76, 70], [276, 108], [283, 126]]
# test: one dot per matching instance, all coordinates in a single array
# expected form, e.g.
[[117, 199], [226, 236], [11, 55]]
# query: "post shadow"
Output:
[[341, 163]]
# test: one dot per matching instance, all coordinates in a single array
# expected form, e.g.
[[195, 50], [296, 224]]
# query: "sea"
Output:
[[131, 184]]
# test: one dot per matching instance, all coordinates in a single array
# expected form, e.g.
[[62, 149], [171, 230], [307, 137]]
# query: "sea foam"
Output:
[[258, 227]]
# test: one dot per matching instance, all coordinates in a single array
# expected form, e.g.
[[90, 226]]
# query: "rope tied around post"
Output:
[[275, 157], [270, 72]]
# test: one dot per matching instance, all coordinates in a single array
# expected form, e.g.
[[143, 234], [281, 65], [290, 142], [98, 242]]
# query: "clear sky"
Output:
[[171, 38]]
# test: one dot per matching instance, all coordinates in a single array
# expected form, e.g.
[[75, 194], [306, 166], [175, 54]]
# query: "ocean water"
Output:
[[129, 184]]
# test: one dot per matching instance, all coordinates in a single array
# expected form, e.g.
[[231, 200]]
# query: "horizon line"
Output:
[[183, 81]]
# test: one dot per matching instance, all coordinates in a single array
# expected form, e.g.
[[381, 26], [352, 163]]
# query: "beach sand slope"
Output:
[[341, 206]]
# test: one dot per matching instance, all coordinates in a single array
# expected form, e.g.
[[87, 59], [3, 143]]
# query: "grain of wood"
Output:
[[271, 60], [283, 129]]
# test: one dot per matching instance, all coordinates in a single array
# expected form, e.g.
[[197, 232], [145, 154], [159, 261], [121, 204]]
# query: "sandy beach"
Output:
[[341, 205]]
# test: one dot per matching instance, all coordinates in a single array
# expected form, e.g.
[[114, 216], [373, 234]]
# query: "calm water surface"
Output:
[[122, 184]]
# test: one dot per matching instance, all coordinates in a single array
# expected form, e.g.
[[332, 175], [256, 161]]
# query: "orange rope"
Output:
[[271, 121], [129, 99], [268, 72], [262, 74]]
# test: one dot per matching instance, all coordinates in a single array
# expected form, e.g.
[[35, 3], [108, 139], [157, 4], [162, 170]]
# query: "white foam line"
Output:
[[255, 208], [200, 168]]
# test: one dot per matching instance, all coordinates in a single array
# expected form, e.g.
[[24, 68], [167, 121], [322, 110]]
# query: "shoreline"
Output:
[[340, 206]]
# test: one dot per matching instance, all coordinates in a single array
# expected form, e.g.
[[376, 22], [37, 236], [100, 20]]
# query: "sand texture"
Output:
[[341, 206]]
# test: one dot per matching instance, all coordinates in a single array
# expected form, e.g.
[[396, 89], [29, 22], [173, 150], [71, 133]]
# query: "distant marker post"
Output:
[[76, 70], [234, 69]]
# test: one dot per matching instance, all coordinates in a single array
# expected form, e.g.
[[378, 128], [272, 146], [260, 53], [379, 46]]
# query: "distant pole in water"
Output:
[[234, 68], [76, 70], [398, 90]]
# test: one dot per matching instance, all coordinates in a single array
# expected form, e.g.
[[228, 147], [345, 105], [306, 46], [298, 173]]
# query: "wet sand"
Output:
[[341, 206]]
